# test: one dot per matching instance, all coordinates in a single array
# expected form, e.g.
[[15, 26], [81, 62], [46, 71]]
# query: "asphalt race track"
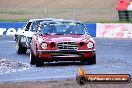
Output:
[[113, 56]]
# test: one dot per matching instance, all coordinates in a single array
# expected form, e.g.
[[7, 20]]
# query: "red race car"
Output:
[[64, 40]]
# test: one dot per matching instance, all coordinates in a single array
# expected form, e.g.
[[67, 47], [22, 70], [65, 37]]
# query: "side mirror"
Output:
[[26, 29], [40, 34]]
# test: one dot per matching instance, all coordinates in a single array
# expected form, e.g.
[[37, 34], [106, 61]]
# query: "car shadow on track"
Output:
[[64, 63]]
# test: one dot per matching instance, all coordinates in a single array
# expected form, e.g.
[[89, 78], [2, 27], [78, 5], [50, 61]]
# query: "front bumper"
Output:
[[66, 53]]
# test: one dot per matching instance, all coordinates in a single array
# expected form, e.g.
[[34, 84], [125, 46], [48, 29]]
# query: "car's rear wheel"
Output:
[[20, 49], [32, 58]]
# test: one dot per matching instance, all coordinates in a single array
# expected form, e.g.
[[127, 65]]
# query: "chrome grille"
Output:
[[67, 45]]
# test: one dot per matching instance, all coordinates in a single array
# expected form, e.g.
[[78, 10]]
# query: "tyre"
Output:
[[32, 58], [81, 80], [20, 49], [39, 62], [92, 60]]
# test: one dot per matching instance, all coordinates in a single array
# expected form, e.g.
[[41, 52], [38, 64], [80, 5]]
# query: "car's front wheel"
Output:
[[32, 58], [20, 49], [39, 62], [90, 61]]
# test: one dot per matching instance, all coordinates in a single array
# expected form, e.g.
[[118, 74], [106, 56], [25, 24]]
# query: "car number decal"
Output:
[[23, 39]]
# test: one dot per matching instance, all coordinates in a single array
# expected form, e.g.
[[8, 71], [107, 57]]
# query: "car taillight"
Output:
[[44, 45], [90, 45]]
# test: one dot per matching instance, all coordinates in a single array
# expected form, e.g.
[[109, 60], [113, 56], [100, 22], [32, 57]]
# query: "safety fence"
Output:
[[84, 10]]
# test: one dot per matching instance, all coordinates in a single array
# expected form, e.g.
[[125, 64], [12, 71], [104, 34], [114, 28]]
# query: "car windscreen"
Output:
[[35, 25], [63, 28]]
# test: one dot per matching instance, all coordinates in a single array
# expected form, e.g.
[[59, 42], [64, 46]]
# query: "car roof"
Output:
[[45, 19], [61, 21]]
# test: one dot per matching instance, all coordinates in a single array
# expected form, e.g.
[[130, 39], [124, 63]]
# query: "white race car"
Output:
[[23, 37]]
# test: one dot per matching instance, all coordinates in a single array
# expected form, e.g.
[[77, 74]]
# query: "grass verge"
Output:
[[13, 20], [101, 21]]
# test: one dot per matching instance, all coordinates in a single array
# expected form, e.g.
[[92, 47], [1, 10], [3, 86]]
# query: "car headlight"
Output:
[[44, 45], [90, 45]]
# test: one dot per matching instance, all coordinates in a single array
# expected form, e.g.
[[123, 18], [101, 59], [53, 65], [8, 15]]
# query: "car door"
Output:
[[26, 34]]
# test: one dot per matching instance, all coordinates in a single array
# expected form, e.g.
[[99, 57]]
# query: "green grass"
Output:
[[13, 20], [101, 21]]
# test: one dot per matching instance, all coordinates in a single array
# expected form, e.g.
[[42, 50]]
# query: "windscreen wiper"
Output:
[[46, 33], [59, 34], [76, 34]]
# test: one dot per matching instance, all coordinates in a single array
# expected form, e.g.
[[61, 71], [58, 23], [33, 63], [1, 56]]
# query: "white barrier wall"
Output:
[[114, 30], [10, 28], [108, 30]]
